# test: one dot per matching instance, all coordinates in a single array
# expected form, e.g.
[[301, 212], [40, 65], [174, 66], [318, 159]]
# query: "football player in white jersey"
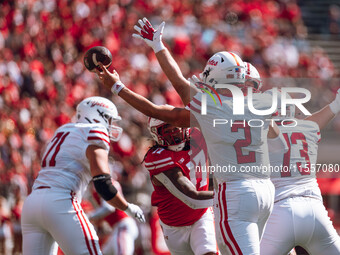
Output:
[[299, 217], [243, 199], [77, 154], [180, 190]]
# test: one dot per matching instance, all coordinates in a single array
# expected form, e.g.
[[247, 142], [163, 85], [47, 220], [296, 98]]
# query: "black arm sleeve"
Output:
[[104, 187]]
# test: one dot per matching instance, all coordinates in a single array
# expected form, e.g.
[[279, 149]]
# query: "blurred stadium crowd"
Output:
[[42, 76]]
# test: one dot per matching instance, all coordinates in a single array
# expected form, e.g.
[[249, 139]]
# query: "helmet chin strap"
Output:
[[177, 147]]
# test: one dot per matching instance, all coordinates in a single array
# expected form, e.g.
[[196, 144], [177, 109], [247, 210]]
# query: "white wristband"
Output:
[[160, 46], [117, 87], [335, 107]]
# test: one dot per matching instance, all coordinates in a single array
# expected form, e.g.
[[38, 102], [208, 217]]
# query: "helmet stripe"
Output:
[[238, 64]]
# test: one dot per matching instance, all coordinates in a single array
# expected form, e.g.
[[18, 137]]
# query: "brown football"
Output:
[[97, 54]]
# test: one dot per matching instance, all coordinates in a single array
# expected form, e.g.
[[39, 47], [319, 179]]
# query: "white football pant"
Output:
[[54, 215], [300, 221], [197, 239], [241, 209]]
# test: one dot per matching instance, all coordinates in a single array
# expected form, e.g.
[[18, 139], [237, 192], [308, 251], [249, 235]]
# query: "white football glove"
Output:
[[148, 34], [135, 212], [335, 105]]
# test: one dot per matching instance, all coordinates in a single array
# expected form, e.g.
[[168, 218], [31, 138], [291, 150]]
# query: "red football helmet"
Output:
[[164, 134]]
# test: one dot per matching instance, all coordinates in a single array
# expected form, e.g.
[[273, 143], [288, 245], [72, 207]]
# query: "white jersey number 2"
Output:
[[240, 143]]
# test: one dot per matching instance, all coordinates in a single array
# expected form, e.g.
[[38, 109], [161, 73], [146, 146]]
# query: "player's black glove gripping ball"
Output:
[[97, 54]]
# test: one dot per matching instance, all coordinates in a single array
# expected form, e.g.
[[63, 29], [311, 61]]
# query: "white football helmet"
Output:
[[224, 68], [290, 109], [164, 134], [252, 76], [100, 110]]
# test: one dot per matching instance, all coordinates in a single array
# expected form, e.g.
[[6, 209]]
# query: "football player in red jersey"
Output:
[[177, 167]]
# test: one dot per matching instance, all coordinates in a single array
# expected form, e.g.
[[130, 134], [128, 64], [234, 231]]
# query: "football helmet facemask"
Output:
[[224, 68], [100, 110], [166, 135], [253, 78]]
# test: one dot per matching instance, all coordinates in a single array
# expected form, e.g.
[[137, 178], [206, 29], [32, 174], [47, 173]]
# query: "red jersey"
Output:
[[115, 217], [171, 210]]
